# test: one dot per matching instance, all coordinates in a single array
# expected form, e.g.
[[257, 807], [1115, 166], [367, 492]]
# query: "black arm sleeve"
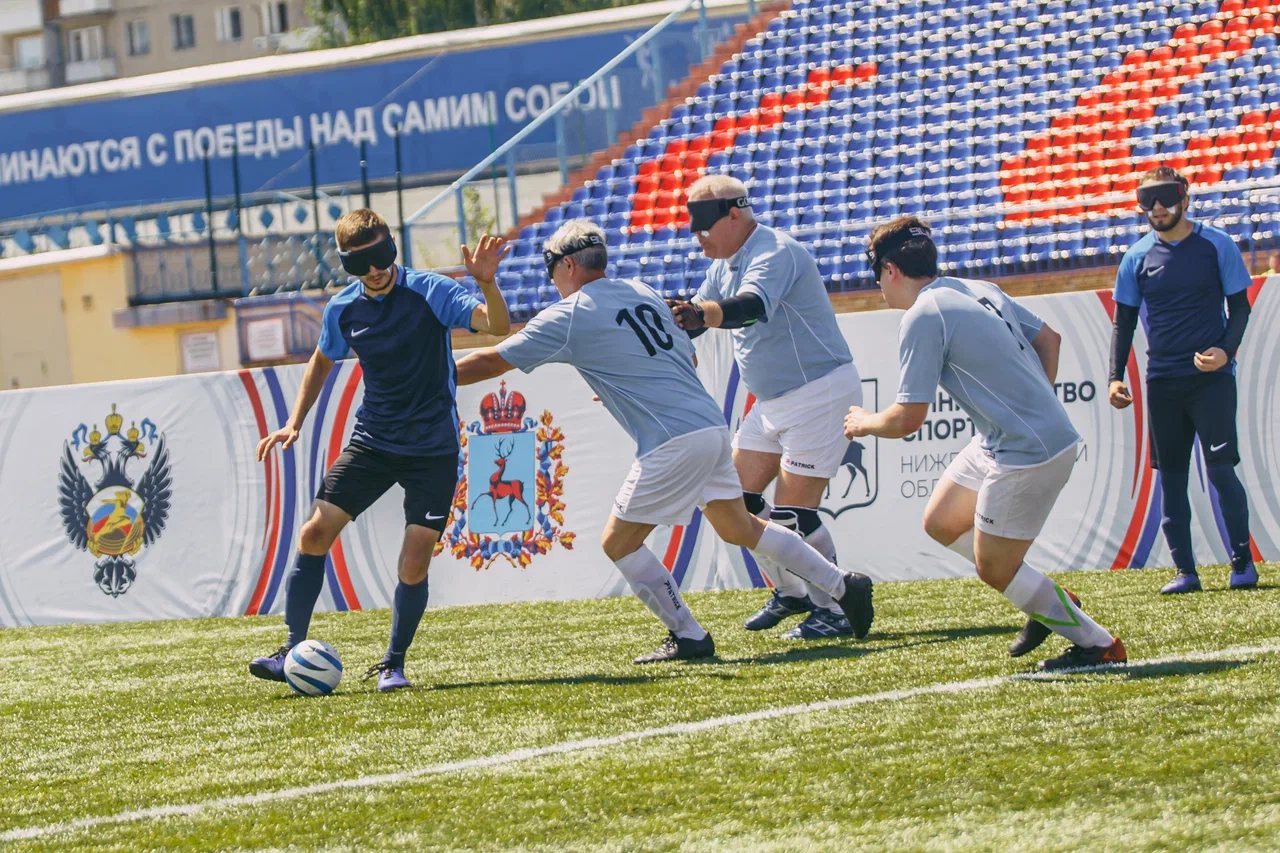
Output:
[[741, 310], [1122, 339], [1237, 319]]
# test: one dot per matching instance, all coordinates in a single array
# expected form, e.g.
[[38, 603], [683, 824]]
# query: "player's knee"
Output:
[[616, 547], [941, 529], [413, 568], [316, 536]]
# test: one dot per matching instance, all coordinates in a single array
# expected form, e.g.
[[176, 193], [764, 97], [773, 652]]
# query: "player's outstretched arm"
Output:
[[491, 317], [312, 382], [479, 365], [897, 421], [1048, 346]]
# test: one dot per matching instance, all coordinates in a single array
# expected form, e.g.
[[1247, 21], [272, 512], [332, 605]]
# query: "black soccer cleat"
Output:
[[1034, 633], [680, 648], [856, 603], [1079, 657], [777, 608]]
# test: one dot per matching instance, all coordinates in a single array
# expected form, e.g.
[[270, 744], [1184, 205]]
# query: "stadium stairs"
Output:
[[1017, 129]]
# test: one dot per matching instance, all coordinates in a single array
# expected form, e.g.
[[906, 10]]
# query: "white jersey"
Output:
[[620, 336], [798, 339], [969, 337]]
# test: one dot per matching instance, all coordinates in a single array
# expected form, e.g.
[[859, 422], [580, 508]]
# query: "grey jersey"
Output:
[[973, 340], [798, 339], [620, 336]]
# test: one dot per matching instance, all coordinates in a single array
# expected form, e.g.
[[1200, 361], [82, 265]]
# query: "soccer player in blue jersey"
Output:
[[1177, 278], [998, 361], [397, 321], [765, 289], [620, 336]]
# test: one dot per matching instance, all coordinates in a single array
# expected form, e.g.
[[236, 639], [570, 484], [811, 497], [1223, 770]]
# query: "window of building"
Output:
[[184, 31], [85, 44], [139, 33], [228, 23], [277, 18], [28, 51]]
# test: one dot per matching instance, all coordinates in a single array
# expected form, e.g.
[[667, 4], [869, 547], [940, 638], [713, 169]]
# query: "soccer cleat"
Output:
[[1244, 574], [1079, 657], [1034, 633], [271, 667], [777, 608], [856, 603], [1182, 582], [819, 624], [390, 676], [680, 648]]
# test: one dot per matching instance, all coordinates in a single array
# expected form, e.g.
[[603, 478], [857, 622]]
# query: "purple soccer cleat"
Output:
[[1244, 574], [1182, 582], [390, 676], [271, 667]]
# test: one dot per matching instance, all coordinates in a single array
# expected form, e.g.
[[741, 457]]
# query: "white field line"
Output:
[[522, 755]]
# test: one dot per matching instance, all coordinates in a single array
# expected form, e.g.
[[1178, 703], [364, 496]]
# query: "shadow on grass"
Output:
[[1138, 670], [664, 674]]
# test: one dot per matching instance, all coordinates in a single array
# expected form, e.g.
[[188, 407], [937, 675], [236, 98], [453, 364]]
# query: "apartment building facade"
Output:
[[45, 43]]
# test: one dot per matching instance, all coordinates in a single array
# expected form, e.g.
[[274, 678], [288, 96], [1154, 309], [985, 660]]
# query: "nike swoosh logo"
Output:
[[356, 334], [1214, 448], [431, 517], [1155, 270]]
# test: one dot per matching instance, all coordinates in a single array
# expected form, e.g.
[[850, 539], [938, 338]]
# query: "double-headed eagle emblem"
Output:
[[114, 519]]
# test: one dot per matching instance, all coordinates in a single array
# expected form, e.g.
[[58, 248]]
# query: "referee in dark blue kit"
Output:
[[1176, 279], [397, 321]]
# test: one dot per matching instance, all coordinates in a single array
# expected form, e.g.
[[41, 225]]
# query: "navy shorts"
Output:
[[1183, 407], [362, 474]]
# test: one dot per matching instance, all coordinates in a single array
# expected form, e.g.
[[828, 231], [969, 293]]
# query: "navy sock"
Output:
[[410, 603], [301, 591], [1176, 523], [1235, 509]]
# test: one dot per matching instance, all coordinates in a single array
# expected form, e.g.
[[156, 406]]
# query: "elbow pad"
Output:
[[741, 310]]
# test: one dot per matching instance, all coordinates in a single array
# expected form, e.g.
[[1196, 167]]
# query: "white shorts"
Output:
[[805, 425], [1012, 502], [669, 481]]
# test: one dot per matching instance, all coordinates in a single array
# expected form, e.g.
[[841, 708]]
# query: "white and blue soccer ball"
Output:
[[313, 668]]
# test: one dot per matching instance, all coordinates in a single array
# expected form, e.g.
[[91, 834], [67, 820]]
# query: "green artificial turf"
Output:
[[100, 720]]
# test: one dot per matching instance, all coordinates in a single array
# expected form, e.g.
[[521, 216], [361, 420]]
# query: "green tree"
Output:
[[360, 21]]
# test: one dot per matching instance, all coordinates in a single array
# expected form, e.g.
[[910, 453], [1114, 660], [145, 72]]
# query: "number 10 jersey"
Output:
[[620, 336]]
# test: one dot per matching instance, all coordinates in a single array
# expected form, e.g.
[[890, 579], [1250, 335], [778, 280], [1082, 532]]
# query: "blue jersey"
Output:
[[970, 338], [1181, 290], [403, 343]]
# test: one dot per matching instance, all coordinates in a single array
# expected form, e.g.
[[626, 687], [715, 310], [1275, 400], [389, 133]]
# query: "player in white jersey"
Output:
[[766, 288], [998, 361], [619, 336]]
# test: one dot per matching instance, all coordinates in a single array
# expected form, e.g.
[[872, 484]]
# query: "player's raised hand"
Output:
[[1119, 395], [855, 423], [687, 316], [483, 263], [285, 437], [1214, 358]]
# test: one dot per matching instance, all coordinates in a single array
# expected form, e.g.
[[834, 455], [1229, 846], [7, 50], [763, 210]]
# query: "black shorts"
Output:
[[362, 474], [1183, 407]]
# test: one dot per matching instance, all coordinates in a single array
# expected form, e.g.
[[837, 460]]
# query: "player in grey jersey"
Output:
[[998, 361], [619, 336], [765, 288]]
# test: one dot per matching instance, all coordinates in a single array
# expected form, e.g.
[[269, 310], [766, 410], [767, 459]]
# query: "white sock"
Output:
[[786, 548], [784, 583], [820, 540], [653, 584], [964, 546], [1043, 600]]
